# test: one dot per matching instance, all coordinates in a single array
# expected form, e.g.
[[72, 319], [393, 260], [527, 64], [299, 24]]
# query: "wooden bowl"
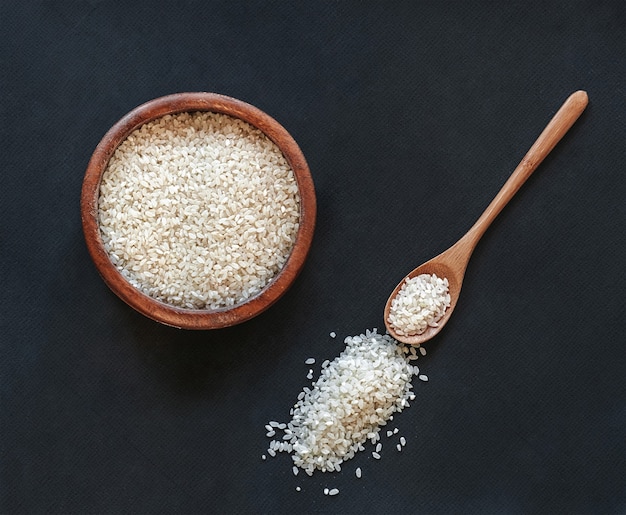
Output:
[[155, 309]]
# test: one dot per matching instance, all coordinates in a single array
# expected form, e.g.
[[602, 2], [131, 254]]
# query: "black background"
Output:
[[411, 116]]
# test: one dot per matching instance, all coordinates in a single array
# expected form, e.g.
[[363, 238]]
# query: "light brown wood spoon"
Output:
[[452, 263]]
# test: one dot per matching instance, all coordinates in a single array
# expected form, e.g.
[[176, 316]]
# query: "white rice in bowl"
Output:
[[199, 210]]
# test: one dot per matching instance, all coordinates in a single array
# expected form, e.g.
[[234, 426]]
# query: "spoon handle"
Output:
[[551, 135]]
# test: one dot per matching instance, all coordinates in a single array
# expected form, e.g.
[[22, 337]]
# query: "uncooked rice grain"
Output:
[[419, 304], [199, 210], [353, 398]]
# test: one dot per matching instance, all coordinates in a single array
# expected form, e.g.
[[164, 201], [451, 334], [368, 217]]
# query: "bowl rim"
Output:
[[200, 319]]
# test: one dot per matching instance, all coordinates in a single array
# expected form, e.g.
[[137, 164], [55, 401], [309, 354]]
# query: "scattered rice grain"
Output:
[[355, 395]]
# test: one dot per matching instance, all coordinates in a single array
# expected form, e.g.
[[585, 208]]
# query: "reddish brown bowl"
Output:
[[155, 309]]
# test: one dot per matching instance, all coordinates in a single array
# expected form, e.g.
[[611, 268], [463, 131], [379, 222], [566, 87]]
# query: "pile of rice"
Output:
[[421, 303], [355, 396], [199, 210]]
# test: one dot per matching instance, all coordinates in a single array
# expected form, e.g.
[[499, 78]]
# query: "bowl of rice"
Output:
[[198, 210]]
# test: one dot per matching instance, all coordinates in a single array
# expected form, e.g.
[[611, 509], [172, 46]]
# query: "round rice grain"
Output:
[[199, 210]]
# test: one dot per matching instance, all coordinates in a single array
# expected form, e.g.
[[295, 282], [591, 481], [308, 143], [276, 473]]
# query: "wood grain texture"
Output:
[[453, 262], [160, 311]]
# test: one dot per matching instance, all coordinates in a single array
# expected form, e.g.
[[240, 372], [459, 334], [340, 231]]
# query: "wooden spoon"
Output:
[[452, 263]]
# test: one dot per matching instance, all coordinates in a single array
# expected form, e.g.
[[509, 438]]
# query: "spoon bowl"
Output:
[[452, 263], [442, 266]]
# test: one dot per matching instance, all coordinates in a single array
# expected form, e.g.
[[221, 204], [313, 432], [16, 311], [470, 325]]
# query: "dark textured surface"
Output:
[[411, 116]]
